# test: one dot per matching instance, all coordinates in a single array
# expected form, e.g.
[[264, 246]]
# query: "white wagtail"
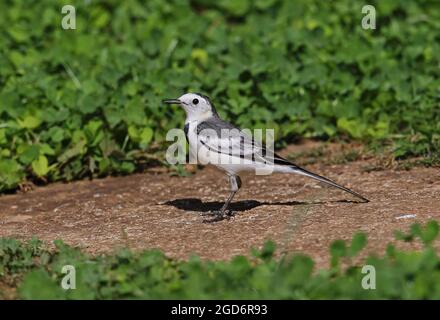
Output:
[[210, 137]]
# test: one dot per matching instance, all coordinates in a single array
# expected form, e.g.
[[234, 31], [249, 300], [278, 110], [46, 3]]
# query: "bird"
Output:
[[213, 140]]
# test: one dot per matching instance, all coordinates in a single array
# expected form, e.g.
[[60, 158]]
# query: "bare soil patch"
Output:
[[156, 210]]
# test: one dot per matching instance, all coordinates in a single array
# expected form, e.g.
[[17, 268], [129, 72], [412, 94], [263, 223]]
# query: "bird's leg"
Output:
[[226, 204], [235, 182]]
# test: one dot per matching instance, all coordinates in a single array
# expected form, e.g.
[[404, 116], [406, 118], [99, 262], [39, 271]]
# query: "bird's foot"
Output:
[[218, 215]]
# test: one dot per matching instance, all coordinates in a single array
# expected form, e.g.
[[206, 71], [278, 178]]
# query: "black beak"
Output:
[[171, 101]]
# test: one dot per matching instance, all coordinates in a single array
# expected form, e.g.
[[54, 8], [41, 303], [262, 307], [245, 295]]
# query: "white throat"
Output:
[[199, 117]]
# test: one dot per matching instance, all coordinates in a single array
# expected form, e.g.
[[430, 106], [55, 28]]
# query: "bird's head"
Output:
[[197, 106]]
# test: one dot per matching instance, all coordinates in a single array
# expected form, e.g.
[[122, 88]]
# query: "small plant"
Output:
[[85, 102], [151, 275]]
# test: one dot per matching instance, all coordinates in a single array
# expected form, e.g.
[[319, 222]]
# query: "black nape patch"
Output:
[[203, 96], [186, 129], [209, 101]]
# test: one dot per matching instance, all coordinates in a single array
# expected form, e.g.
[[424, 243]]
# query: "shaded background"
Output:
[[86, 102]]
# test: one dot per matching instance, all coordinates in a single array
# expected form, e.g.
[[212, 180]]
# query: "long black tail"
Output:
[[286, 163], [327, 181]]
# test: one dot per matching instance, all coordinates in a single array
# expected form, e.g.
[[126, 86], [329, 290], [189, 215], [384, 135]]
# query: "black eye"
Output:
[[195, 101]]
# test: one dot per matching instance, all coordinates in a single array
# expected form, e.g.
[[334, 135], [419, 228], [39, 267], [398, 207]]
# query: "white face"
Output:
[[195, 106]]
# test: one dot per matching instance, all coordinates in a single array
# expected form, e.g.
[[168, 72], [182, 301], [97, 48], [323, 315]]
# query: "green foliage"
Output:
[[86, 102], [17, 257], [427, 235], [151, 275]]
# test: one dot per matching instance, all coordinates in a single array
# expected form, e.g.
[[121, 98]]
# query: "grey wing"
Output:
[[234, 142], [222, 137]]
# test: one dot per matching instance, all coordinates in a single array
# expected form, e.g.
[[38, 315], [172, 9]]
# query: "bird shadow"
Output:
[[194, 204]]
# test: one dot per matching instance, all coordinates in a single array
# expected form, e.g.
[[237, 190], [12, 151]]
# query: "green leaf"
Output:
[[72, 152], [146, 137], [11, 174], [268, 250], [40, 166], [30, 154], [46, 149], [358, 242], [235, 7], [264, 4], [127, 167], [133, 132], [430, 232], [134, 113], [338, 249], [29, 122]]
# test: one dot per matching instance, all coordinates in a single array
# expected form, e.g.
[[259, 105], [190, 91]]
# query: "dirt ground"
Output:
[[156, 210]]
